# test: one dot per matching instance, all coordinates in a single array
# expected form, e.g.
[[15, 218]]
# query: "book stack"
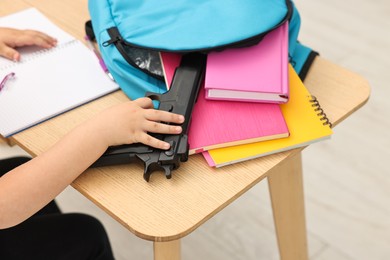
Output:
[[252, 103], [305, 121]]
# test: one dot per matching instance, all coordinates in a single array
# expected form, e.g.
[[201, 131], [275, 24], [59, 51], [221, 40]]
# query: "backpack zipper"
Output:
[[120, 43]]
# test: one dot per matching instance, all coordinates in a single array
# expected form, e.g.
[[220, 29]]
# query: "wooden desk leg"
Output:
[[286, 190], [6, 141], [167, 250]]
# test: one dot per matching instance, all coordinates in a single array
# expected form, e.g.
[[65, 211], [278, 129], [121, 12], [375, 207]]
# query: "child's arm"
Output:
[[29, 187], [13, 38]]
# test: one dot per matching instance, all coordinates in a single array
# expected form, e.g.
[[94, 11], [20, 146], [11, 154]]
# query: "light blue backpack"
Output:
[[130, 34]]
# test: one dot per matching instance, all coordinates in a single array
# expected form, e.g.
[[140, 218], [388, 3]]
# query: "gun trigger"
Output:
[[153, 96]]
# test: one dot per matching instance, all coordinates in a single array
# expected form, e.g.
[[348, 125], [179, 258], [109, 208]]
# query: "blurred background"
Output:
[[346, 179]]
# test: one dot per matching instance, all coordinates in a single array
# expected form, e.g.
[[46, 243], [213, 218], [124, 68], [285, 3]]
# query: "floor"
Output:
[[346, 179]]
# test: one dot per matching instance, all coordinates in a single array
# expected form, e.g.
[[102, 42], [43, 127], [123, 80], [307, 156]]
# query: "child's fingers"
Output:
[[9, 53], [46, 38], [161, 128], [153, 142], [158, 115], [144, 102], [164, 116], [31, 37], [42, 39]]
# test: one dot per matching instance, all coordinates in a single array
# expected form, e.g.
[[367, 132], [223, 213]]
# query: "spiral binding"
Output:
[[321, 113], [29, 57]]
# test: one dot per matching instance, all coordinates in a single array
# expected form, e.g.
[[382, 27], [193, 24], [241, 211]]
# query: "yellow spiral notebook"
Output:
[[306, 122]]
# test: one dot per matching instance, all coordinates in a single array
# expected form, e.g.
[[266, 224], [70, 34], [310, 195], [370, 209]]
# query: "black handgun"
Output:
[[180, 99]]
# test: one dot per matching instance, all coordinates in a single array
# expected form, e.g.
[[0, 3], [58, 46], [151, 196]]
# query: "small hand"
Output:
[[131, 121], [10, 39]]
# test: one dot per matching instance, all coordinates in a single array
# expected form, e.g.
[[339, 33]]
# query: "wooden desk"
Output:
[[164, 210]]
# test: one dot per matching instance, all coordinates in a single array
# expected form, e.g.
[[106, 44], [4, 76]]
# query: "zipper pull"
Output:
[[115, 37], [112, 41]]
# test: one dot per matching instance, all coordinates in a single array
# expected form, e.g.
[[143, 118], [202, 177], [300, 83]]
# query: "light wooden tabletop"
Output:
[[164, 210]]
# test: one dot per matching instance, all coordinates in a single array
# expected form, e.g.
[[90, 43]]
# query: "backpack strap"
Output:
[[89, 30]]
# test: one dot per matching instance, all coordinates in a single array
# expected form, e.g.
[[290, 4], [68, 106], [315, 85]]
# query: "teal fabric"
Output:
[[299, 57], [185, 25], [294, 26], [132, 81], [298, 52]]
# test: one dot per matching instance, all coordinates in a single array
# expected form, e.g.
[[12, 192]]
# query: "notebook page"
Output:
[[32, 19], [53, 82]]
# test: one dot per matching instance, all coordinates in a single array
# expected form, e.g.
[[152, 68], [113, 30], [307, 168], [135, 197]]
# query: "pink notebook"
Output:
[[257, 73], [217, 124]]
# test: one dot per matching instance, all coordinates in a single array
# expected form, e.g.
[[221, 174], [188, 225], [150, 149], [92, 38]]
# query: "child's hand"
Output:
[[13, 38], [129, 123]]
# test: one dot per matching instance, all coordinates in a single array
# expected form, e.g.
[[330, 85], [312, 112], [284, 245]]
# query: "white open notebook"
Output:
[[47, 82]]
